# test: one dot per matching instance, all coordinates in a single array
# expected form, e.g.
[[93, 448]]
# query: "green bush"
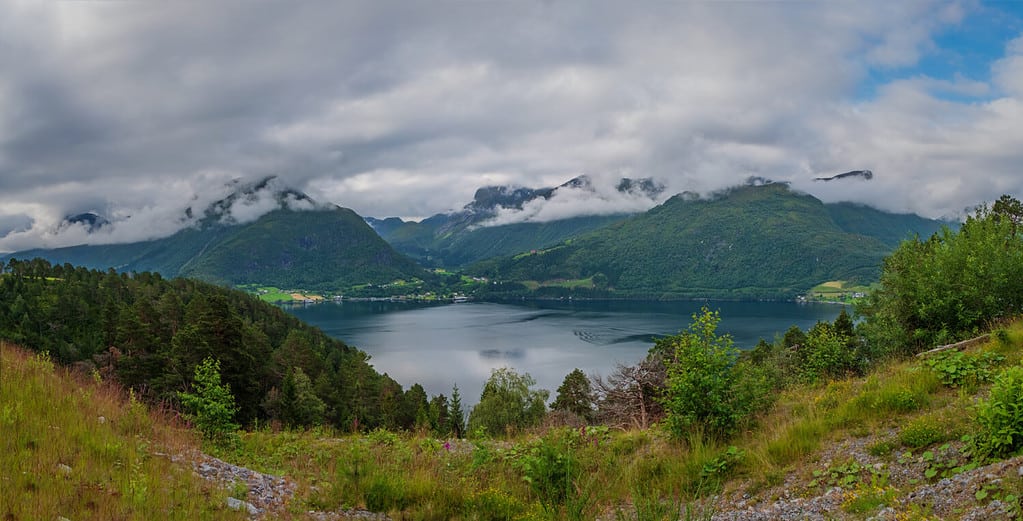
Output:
[[707, 392], [1001, 416]]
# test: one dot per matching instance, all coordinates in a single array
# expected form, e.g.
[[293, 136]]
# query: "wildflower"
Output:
[[447, 446]]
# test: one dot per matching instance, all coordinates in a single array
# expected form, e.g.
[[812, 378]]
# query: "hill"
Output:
[[150, 334], [754, 241], [483, 228], [325, 248]]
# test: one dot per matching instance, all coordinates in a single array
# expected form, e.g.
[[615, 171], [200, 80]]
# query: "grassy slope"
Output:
[[876, 437], [898, 424], [59, 458]]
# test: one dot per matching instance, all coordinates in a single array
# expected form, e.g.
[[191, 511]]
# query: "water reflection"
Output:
[[439, 346]]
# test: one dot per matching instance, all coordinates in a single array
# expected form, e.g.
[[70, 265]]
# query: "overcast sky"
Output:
[[137, 110]]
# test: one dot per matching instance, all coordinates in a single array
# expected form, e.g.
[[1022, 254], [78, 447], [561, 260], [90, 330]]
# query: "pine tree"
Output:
[[456, 415]]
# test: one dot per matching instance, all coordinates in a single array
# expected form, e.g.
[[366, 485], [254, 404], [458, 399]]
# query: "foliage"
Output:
[[150, 333], [690, 247], [211, 406], [703, 387], [959, 368], [826, 353], [948, 287], [508, 403], [575, 395], [1001, 416]]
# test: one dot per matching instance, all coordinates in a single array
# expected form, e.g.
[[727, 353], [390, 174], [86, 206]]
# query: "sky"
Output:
[[140, 110]]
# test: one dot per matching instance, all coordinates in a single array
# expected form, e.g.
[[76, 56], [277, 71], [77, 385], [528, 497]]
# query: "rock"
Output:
[[64, 469], [102, 420], [237, 504]]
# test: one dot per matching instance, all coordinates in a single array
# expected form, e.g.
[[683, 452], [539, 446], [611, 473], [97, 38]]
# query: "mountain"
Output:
[[325, 247], [754, 241], [504, 220]]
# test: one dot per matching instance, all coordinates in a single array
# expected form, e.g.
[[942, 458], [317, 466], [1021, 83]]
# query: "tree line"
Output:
[[151, 333]]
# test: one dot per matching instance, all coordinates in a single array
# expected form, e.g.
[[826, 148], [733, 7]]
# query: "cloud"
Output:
[[591, 196], [397, 108]]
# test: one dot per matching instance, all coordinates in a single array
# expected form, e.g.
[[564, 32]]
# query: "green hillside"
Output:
[[749, 242], [889, 228], [150, 333], [323, 249], [438, 242]]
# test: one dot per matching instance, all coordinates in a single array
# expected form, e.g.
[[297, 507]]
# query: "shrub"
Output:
[[1001, 416], [706, 390]]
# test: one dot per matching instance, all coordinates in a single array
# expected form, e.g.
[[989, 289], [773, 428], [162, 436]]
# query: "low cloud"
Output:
[[187, 203], [593, 197]]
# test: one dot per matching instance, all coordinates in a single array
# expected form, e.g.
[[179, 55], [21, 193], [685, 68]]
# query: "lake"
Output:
[[441, 345]]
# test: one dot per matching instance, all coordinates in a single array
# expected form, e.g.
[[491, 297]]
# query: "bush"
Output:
[[1001, 416], [706, 390]]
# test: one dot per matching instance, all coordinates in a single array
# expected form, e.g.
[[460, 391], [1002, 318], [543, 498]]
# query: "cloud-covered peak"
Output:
[[581, 196], [209, 204]]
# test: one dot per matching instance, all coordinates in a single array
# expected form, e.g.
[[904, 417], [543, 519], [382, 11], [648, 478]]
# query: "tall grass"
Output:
[[81, 449]]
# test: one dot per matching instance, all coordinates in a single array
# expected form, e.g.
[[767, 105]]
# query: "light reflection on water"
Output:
[[441, 345]]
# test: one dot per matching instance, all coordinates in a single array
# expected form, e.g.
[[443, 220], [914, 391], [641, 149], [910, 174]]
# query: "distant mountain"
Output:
[[472, 234], [866, 175], [755, 241], [326, 247]]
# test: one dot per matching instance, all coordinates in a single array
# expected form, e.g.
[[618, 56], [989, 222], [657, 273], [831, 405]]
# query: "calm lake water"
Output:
[[441, 345]]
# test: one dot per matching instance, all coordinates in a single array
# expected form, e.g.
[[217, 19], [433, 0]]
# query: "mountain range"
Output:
[[761, 240], [754, 241], [477, 232], [305, 245]]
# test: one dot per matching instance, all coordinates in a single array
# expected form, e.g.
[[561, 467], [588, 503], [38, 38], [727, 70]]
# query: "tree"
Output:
[[950, 286], [575, 395], [211, 407], [508, 403], [630, 395], [299, 405], [704, 392], [456, 415]]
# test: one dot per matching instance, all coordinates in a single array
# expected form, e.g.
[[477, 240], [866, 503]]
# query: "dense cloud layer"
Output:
[[141, 109]]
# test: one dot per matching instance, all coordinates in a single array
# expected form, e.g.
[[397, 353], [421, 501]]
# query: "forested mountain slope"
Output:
[[762, 241], [150, 334], [329, 248]]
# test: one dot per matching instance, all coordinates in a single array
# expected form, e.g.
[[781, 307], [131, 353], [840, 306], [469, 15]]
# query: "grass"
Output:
[[552, 473], [81, 449]]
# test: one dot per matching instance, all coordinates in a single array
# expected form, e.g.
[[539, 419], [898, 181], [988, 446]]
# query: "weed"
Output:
[[1001, 416], [843, 475], [957, 368], [921, 432]]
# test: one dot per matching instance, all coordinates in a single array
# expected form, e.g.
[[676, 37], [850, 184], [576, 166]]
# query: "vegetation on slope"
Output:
[[151, 333], [749, 242], [79, 449], [329, 249]]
